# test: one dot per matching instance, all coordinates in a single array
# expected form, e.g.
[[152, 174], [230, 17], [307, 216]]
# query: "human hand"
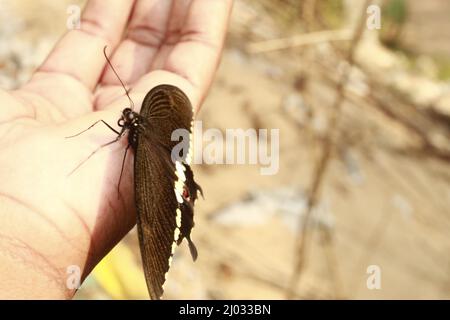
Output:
[[50, 220]]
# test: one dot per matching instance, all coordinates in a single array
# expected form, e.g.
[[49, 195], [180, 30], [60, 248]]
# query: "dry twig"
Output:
[[323, 164], [300, 40]]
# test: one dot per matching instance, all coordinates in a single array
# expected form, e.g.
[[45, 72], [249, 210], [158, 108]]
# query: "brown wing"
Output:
[[163, 218], [156, 219], [167, 108]]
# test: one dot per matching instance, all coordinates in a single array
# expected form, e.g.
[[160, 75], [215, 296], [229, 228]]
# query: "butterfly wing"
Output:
[[156, 215], [164, 216], [167, 108]]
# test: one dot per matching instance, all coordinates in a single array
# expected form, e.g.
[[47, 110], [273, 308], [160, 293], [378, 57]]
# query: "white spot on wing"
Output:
[[191, 147], [174, 246], [180, 171], [178, 219], [179, 197], [172, 251], [179, 186]]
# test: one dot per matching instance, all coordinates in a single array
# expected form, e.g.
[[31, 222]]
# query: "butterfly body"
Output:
[[130, 121]]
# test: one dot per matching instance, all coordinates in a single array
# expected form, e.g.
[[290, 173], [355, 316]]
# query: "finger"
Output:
[[146, 31], [196, 53], [176, 21], [191, 63], [79, 53]]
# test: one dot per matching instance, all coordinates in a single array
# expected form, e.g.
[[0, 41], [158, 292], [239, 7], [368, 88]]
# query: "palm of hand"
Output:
[[53, 219]]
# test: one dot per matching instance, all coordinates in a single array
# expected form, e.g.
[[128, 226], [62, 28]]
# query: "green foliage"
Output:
[[394, 17], [332, 12], [395, 11], [288, 14], [443, 64]]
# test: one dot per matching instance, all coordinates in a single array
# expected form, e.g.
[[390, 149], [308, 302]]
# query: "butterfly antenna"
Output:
[[121, 82]]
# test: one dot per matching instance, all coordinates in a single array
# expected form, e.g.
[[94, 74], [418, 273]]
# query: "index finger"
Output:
[[79, 53]]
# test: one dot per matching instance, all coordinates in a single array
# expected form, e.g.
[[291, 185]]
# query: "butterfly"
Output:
[[165, 191]]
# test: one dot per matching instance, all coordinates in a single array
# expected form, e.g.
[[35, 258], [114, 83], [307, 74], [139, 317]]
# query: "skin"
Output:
[[51, 219]]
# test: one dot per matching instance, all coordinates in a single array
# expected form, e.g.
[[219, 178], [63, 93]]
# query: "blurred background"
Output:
[[364, 179]]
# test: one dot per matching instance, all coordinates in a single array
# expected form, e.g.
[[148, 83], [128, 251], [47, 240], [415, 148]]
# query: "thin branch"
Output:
[[300, 40], [323, 163]]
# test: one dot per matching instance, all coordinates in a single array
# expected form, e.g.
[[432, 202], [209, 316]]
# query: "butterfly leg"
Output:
[[93, 152], [121, 170], [92, 125]]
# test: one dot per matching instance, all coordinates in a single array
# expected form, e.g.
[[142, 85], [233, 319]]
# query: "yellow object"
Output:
[[120, 275]]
